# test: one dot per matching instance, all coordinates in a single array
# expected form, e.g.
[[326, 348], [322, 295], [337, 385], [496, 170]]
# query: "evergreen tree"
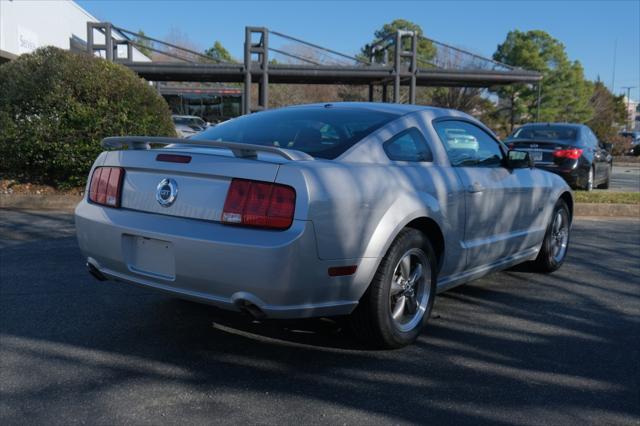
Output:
[[219, 53], [565, 92]]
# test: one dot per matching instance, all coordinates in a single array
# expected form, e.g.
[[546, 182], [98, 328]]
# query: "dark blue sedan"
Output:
[[570, 150]]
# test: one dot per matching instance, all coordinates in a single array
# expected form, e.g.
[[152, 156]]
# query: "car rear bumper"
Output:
[[575, 175], [278, 272]]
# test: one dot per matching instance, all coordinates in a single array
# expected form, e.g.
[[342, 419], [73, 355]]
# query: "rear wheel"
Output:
[[556, 240], [399, 300], [605, 184], [588, 186]]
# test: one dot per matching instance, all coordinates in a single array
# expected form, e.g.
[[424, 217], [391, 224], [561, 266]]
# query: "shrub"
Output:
[[621, 145], [56, 106]]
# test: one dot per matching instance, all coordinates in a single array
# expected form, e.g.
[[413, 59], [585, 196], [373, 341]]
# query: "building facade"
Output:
[[28, 25]]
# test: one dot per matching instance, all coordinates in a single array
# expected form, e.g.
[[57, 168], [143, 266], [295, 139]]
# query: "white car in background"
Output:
[[188, 125]]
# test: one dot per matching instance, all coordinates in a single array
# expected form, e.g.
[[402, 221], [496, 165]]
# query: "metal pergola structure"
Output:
[[448, 67]]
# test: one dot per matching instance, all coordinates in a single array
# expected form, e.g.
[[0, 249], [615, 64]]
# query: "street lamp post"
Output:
[[629, 116]]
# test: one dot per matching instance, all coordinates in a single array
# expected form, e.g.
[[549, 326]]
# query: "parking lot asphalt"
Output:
[[512, 348], [625, 178]]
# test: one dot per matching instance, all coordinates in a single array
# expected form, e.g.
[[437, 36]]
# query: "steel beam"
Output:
[[90, 38], [108, 41], [413, 68], [246, 99], [403, 70], [307, 74], [264, 63], [262, 50], [397, 66]]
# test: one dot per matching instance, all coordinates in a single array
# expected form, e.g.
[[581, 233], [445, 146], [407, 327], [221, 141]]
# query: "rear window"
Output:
[[187, 121], [320, 132], [547, 132]]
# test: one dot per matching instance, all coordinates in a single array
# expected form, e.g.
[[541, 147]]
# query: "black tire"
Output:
[[588, 183], [547, 260], [606, 183], [372, 320]]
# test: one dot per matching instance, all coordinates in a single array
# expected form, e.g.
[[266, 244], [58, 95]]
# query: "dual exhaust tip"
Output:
[[250, 309], [95, 272], [243, 305]]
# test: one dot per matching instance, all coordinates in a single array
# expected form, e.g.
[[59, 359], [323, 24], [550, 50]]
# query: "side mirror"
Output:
[[607, 146], [519, 160]]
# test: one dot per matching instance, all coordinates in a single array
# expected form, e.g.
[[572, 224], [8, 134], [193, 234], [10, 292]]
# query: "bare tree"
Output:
[[179, 38]]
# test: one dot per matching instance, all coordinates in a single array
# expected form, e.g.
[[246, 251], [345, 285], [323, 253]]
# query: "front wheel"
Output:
[[397, 304], [556, 240]]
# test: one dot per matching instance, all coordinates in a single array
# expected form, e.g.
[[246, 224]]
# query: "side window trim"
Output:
[[422, 139], [502, 147], [464, 120]]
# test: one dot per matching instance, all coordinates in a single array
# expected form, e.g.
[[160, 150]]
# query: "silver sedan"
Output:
[[358, 209]]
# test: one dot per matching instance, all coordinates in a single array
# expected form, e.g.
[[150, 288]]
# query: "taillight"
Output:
[[572, 153], [261, 204], [106, 186]]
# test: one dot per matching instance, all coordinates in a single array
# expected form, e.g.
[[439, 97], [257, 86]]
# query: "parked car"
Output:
[[635, 142], [570, 150], [369, 211], [188, 125]]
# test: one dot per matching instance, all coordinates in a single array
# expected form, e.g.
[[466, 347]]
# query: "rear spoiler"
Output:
[[240, 150]]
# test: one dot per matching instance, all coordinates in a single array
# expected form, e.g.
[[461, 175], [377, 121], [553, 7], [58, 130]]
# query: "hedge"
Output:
[[56, 106]]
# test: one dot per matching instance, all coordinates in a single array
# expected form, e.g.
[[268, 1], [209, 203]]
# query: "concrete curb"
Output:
[[607, 210], [69, 202], [39, 202]]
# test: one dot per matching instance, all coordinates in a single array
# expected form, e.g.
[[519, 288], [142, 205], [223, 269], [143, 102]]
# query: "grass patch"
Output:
[[634, 159], [607, 197]]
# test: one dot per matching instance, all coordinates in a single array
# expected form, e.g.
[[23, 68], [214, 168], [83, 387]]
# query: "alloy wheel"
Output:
[[559, 237], [410, 290]]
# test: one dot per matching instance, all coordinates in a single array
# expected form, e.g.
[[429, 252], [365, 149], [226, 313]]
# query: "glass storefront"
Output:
[[212, 103]]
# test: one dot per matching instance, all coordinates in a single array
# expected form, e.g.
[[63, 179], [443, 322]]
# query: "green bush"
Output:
[[56, 106]]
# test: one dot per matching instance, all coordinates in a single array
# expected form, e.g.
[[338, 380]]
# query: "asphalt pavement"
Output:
[[512, 348], [625, 178]]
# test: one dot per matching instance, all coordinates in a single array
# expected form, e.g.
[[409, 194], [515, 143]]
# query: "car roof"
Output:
[[397, 109], [567, 125]]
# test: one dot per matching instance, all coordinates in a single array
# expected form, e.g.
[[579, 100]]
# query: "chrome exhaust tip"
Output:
[[250, 309], [95, 272]]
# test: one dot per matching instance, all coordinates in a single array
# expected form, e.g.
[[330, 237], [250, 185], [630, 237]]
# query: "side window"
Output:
[[409, 145], [594, 139], [468, 145]]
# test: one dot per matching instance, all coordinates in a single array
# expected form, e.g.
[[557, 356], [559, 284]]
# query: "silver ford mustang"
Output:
[[358, 209]]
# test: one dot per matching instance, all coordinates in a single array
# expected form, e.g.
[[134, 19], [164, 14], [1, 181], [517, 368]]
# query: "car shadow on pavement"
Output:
[[18, 226], [510, 348]]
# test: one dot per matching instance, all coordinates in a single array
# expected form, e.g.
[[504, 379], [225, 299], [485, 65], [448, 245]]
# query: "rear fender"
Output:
[[394, 221], [396, 218]]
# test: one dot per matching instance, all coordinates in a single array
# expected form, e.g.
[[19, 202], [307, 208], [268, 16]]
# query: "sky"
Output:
[[590, 30]]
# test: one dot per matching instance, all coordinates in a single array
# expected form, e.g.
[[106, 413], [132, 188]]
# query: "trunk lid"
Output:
[[540, 150], [201, 184]]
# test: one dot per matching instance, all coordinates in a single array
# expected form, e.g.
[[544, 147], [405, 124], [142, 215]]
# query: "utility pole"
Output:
[[628, 89], [613, 74]]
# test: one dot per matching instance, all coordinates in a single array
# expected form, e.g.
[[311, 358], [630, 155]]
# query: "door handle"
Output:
[[475, 187]]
